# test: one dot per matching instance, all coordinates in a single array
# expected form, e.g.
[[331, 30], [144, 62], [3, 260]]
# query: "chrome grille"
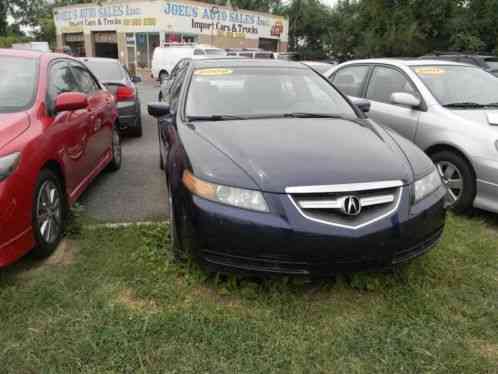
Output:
[[338, 204]]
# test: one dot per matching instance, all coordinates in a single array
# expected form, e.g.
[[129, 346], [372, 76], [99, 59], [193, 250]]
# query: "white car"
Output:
[[164, 59], [448, 109]]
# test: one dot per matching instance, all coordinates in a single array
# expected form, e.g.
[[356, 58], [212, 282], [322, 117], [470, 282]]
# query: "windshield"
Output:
[[18, 79], [253, 91], [215, 52], [106, 70], [454, 85]]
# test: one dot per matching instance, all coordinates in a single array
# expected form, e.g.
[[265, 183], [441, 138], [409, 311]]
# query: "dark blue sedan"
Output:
[[271, 170]]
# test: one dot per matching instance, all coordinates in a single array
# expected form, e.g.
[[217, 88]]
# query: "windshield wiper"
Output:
[[215, 117], [464, 104], [311, 115]]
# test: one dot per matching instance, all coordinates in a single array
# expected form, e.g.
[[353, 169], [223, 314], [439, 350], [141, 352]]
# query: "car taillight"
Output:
[[124, 93]]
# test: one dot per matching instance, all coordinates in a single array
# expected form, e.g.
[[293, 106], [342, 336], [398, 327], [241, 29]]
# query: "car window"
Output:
[[453, 84], [198, 52], [350, 80], [106, 70], [176, 88], [18, 83], [262, 91], [179, 67], [215, 52], [385, 82], [61, 80], [88, 84]]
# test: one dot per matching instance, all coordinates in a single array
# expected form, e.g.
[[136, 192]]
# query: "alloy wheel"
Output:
[[452, 178], [49, 212]]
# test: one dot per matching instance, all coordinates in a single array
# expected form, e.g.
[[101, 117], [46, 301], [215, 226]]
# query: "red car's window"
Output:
[[18, 83]]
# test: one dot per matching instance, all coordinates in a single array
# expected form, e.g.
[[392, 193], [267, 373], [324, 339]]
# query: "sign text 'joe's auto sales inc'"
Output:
[[177, 16]]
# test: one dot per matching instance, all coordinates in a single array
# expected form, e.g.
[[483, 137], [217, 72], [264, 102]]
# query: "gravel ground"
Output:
[[137, 192]]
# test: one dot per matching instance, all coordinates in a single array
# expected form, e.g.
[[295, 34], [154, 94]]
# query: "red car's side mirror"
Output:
[[70, 101]]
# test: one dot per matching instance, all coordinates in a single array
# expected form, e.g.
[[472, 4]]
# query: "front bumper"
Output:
[[227, 239], [16, 236]]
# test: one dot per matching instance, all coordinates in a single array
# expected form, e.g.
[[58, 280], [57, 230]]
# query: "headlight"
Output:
[[427, 185], [8, 164], [238, 197]]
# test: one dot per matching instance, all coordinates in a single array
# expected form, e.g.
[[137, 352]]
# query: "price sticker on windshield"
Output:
[[213, 72], [430, 71]]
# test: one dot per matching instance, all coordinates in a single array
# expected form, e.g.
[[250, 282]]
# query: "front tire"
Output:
[[49, 211], [115, 163], [176, 245], [458, 176]]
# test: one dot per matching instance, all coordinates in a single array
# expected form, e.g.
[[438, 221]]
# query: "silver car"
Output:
[[450, 110]]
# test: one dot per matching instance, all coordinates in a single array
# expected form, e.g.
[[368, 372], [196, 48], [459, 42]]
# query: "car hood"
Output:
[[11, 126], [279, 153], [483, 117]]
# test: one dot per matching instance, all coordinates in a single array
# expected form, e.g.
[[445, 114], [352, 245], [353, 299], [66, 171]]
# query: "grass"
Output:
[[118, 304]]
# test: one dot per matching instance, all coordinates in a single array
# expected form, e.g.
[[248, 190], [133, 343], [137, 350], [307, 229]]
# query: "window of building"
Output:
[[145, 45]]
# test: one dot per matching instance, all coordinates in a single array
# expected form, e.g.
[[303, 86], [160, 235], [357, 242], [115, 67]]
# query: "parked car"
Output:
[[270, 169], [287, 56], [164, 59], [250, 53], [165, 86], [320, 67], [448, 109], [485, 62], [35, 46], [58, 131], [116, 79]]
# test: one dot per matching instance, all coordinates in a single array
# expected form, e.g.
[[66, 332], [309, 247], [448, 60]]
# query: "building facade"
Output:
[[130, 30]]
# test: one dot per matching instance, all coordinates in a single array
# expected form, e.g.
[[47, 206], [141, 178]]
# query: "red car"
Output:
[[58, 131]]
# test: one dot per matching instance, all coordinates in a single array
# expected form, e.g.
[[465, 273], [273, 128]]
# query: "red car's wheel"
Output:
[[115, 163], [49, 211]]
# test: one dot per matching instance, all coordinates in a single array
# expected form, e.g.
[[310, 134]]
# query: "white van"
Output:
[[165, 58]]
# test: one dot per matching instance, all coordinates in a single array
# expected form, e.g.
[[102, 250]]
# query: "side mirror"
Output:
[[405, 99], [136, 79], [158, 109], [362, 104], [70, 101]]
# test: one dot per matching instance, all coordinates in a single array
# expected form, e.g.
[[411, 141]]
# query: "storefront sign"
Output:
[[171, 16]]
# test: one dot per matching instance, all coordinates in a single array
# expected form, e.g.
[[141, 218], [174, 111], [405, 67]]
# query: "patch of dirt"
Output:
[[485, 349], [64, 254], [128, 298]]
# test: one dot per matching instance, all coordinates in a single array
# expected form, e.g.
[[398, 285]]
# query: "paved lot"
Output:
[[137, 192]]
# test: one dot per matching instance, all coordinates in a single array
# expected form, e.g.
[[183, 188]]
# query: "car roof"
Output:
[[245, 62], [407, 62]]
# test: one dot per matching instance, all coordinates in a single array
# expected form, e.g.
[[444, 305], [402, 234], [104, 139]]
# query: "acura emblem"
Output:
[[351, 206]]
